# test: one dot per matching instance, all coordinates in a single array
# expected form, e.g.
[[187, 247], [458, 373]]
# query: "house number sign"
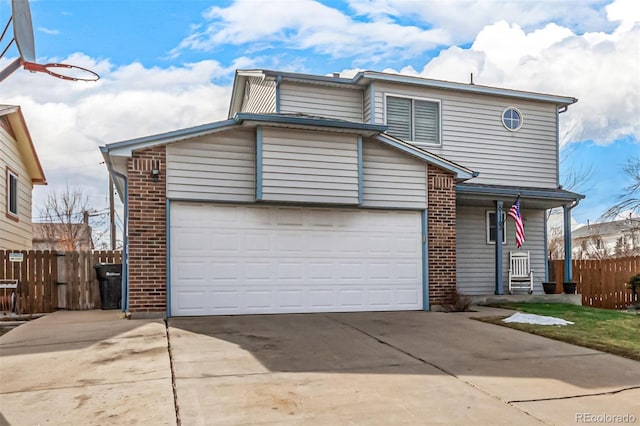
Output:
[[16, 257]]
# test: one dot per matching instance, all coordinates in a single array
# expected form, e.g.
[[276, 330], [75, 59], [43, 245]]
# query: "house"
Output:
[[21, 169], [62, 237], [324, 193], [607, 239]]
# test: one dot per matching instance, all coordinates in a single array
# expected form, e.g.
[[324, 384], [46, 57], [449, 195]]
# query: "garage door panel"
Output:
[[267, 259]]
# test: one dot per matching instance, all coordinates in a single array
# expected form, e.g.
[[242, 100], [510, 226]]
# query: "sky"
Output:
[[166, 65]]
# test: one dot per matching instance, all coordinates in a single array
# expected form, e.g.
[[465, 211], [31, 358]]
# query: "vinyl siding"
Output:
[[476, 258], [392, 179], [260, 96], [215, 168], [473, 135], [366, 115], [321, 101], [303, 166], [14, 235]]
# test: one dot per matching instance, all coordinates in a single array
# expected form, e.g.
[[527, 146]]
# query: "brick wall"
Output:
[[442, 235], [147, 232]]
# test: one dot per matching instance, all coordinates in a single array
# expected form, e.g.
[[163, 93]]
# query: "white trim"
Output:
[[504, 227], [11, 173], [505, 124], [416, 98]]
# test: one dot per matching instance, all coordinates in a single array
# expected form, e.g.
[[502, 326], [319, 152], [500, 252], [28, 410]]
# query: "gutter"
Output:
[[124, 284]]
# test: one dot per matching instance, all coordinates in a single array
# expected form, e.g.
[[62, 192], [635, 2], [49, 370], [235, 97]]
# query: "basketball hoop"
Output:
[[63, 71], [23, 38]]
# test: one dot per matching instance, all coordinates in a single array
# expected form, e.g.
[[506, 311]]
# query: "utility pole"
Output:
[[112, 216]]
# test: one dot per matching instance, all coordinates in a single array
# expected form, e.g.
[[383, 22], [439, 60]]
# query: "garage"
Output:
[[229, 259]]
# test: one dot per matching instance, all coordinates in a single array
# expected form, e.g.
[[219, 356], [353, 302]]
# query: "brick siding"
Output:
[[147, 232], [442, 235]]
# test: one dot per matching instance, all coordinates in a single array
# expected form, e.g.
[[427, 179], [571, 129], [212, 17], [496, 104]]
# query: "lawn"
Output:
[[601, 329]]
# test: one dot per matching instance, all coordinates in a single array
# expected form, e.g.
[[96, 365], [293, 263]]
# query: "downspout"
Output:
[[125, 245], [568, 271]]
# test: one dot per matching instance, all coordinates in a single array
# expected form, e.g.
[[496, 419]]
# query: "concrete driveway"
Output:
[[390, 368], [361, 368]]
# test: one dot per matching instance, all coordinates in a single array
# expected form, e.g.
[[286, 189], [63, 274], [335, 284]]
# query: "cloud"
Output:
[[600, 69], [463, 19], [68, 121], [48, 31], [307, 24]]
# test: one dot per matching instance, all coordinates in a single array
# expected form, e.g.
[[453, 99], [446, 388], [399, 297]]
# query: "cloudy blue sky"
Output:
[[169, 64]]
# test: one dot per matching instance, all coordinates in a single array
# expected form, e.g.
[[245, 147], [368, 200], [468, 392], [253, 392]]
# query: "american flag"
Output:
[[514, 213]]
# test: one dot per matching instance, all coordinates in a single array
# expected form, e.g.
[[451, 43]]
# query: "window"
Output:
[[12, 194], [416, 120], [512, 119], [492, 228]]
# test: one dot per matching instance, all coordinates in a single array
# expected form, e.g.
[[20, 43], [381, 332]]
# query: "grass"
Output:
[[601, 329]]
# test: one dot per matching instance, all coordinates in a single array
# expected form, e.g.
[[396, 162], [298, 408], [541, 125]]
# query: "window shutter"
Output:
[[399, 117], [426, 122]]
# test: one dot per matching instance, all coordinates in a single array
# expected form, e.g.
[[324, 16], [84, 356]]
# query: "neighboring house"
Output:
[[608, 239], [62, 237], [320, 194], [20, 169]]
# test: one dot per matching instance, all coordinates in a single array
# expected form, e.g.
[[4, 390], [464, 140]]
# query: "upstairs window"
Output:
[[512, 119], [12, 194], [415, 120]]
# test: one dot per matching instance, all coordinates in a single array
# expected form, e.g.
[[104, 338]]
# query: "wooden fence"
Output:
[[48, 281], [602, 283]]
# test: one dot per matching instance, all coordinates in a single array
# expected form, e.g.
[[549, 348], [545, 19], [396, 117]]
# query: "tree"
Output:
[[629, 199], [65, 220]]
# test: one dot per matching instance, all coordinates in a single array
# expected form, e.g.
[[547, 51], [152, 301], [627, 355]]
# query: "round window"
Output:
[[512, 119]]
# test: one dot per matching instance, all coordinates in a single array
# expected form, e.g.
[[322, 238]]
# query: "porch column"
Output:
[[568, 273], [499, 225]]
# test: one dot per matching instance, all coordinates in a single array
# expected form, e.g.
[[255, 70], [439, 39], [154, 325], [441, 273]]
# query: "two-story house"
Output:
[[323, 193], [20, 169]]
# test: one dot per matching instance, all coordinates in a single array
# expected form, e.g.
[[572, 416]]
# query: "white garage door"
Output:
[[252, 259]]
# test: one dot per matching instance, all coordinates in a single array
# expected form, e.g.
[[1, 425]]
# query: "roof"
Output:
[[364, 78], [539, 198], [116, 153], [461, 172], [607, 228], [26, 148]]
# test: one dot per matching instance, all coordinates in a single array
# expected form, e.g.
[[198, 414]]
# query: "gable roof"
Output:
[[364, 78], [115, 154], [125, 148], [14, 117], [607, 228]]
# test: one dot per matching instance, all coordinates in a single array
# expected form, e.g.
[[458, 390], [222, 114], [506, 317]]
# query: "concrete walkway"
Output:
[[89, 367], [359, 368]]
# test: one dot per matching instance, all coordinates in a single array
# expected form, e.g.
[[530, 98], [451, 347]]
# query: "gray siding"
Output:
[[475, 258], [473, 135], [259, 96], [303, 166], [392, 179], [366, 115], [322, 101], [216, 168]]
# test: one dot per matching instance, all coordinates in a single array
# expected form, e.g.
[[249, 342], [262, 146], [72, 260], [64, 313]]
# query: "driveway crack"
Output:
[[174, 388], [557, 398], [424, 361]]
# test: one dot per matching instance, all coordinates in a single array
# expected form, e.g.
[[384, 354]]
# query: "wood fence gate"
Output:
[[602, 283], [48, 281]]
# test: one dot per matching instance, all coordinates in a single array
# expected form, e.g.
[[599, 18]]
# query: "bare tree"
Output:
[[65, 220], [629, 199]]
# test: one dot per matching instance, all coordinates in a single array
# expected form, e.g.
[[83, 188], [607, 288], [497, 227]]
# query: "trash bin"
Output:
[[110, 281]]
